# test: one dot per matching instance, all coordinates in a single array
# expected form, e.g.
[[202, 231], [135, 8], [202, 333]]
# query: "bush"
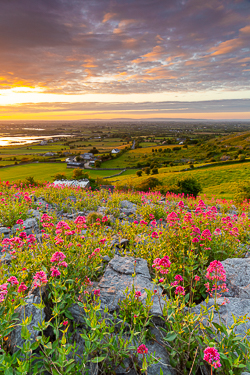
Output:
[[155, 171], [139, 173], [78, 174], [148, 184], [97, 163], [59, 176], [189, 186], [147, 170], [243, 191]]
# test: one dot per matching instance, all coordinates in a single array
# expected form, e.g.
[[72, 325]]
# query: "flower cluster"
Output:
[[40, 279], [162, 264], [212, 356]]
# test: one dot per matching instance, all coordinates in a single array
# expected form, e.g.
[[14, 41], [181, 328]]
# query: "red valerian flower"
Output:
[[142, 349], [212, 356]]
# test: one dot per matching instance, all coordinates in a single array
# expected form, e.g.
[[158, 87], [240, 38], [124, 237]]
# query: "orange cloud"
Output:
[[232, 44], [122, 25], [108, 16], [155, 54]]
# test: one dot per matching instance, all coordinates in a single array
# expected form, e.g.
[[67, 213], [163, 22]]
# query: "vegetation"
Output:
[[180, 241]]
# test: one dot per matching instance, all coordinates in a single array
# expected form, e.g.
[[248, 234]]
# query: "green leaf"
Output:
[[170, 336], [98, 359]]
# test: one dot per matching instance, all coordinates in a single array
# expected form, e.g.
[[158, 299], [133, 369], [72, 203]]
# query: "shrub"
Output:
[[155, 171], [148, 184], [147, 170], [78, 174], [97, 163], [243, 191], [189, 186], [59, 176], [139, 173]]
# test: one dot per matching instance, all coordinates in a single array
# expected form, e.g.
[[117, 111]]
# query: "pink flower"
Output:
[[22, 287], [63, 264], [195, 239], [65, 322], [180, 290], [55, 272], [13, 280], [162, 265], [57, 257], [181, 204], [19, 221], [216, 271], [142, 349], [97, 292], [137, 294], [197, 278], [40, 279], [3, 291], [178, 277], [161, 280], [212, 356], [155, 235]]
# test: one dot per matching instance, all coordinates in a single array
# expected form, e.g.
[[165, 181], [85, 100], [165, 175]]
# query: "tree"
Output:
[[189, 186], [97, 163], [94, 151], [78, 174], [155, 171], [139, 173], [147, 170], [59, 176]]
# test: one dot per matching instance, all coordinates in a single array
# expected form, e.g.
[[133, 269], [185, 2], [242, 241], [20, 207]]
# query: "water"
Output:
[[11, 141]]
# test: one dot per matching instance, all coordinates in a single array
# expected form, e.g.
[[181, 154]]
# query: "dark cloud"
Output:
[[125, 46], [209, 106]]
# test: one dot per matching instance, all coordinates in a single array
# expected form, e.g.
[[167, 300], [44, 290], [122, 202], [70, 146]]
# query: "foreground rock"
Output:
[[15, 338], [238, 277], [238, 283], [118, 277]]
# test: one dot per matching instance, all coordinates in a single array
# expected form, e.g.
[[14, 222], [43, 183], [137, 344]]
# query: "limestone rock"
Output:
[[118, 276], [127, 205], [15, 338], [238, 277], [237, 307]]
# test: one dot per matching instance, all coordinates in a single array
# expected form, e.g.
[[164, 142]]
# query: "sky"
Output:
[[107, 59]]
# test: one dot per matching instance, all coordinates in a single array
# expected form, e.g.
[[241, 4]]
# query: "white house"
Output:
[[49, 154], [115, 151], [43, 143]]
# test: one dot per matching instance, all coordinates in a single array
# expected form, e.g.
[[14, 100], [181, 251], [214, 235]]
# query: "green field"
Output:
[[46, 171], [219, 180]]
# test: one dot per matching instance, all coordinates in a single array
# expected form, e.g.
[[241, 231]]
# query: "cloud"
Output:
[[71, 46], [209, 106]]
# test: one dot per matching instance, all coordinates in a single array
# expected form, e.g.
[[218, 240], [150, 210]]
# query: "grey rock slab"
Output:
[[238, 277], [237, 307], [38, 315], [128, 205], [118, 277], [5, 258], [157, 346]]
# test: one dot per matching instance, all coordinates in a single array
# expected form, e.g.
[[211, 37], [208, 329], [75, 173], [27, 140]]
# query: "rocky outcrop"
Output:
[[118, 277], [15, 339], [238, 277], [238, 284]]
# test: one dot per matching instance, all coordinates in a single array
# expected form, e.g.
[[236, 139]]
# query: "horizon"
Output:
[[127, 60]]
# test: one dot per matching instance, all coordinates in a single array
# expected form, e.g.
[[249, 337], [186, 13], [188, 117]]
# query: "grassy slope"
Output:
[[46, 171], [220, 180]]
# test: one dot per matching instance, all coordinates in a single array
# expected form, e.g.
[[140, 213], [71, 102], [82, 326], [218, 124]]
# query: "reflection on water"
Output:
[[9, 141]]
